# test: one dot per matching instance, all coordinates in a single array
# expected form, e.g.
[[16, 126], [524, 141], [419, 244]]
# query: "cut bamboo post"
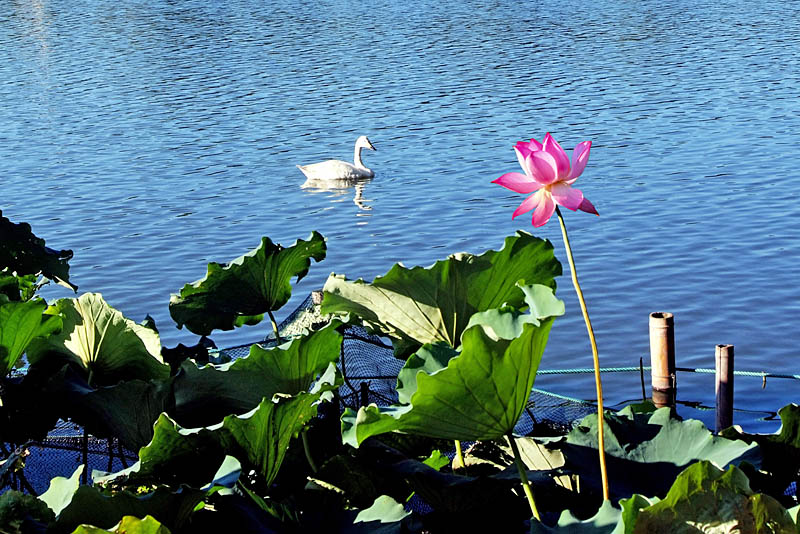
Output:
[[724, 387], [662, 359]]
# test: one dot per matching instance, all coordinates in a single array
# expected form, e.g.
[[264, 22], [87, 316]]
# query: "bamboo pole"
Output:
[[724, 385], [662, 359]]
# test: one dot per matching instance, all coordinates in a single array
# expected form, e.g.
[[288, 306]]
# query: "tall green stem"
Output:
[[307, 450], [460, 456], [274, 327], [523, 475], [597, 381]]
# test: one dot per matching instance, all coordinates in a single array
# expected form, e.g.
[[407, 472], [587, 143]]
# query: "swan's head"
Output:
[[363, 142]]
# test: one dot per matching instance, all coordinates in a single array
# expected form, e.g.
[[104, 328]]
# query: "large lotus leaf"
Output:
[[475, 393], [246, 288], [781, 451], [460, 494], [427, 305], [259, 439], [205, 395], [76, 505], [99, 339], [706, 499], [126, 410], [20, 323], [646, 449], [128, 525], [23, 253]]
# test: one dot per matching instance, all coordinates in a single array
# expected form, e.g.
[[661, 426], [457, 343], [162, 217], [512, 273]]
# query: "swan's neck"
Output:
[[357, 157]]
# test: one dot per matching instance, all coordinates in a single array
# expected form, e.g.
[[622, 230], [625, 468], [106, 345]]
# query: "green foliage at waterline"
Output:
[[258, 445]]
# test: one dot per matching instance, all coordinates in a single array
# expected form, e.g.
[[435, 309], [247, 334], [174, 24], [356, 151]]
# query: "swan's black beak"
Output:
[[371, 146]]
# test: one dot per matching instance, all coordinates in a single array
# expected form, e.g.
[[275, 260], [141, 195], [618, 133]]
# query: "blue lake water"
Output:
[[154, 136]]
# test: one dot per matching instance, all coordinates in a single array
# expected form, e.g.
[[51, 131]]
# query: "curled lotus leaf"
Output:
[[434, 304], [476, 392], [99, 339], [22, 253], [241, 291]]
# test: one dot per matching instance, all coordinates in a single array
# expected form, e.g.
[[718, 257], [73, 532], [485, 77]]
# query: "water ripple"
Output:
[[153, 137]]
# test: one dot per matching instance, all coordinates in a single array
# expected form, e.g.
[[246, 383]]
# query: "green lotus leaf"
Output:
[[781, 451], [258, 439], [126, 410], [246, 288], [428, 305], [18, 288], [23, 253], [128, 525], [384, 516], [59, 494], [475, 393], [459, 494], [794, 512], [76, 505], [20, 323], [706, 499], [205, 395], [646, 449], [436, 460], [103, 342], [607, 520], [383, 510]]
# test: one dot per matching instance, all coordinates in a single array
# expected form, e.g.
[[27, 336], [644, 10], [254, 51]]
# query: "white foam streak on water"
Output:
[[153, 137]]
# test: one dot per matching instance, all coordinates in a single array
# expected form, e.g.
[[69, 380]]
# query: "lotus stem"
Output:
[[274, 327], [304, 433], [596, 358], [460, 455], [307, 450], [523, 475]]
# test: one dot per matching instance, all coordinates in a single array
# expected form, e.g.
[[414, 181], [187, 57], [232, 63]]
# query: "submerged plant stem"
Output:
[[597, 381], [523, 475]]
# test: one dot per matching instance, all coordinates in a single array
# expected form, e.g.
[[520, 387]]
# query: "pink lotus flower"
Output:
[[549, 176]]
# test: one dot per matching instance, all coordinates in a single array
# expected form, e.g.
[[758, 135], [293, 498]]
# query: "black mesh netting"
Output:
[[65, 448]]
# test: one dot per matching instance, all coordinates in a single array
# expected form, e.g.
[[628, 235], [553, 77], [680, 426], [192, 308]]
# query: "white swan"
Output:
[[334, 169]]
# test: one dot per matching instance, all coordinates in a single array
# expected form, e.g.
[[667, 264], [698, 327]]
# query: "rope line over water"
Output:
[[758, 374]]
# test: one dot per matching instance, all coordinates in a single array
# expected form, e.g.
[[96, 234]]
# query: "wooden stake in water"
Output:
[[662, 359], [724, 387]]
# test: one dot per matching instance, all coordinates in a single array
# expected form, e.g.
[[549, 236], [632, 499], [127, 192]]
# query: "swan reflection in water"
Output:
[[340, 187]]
